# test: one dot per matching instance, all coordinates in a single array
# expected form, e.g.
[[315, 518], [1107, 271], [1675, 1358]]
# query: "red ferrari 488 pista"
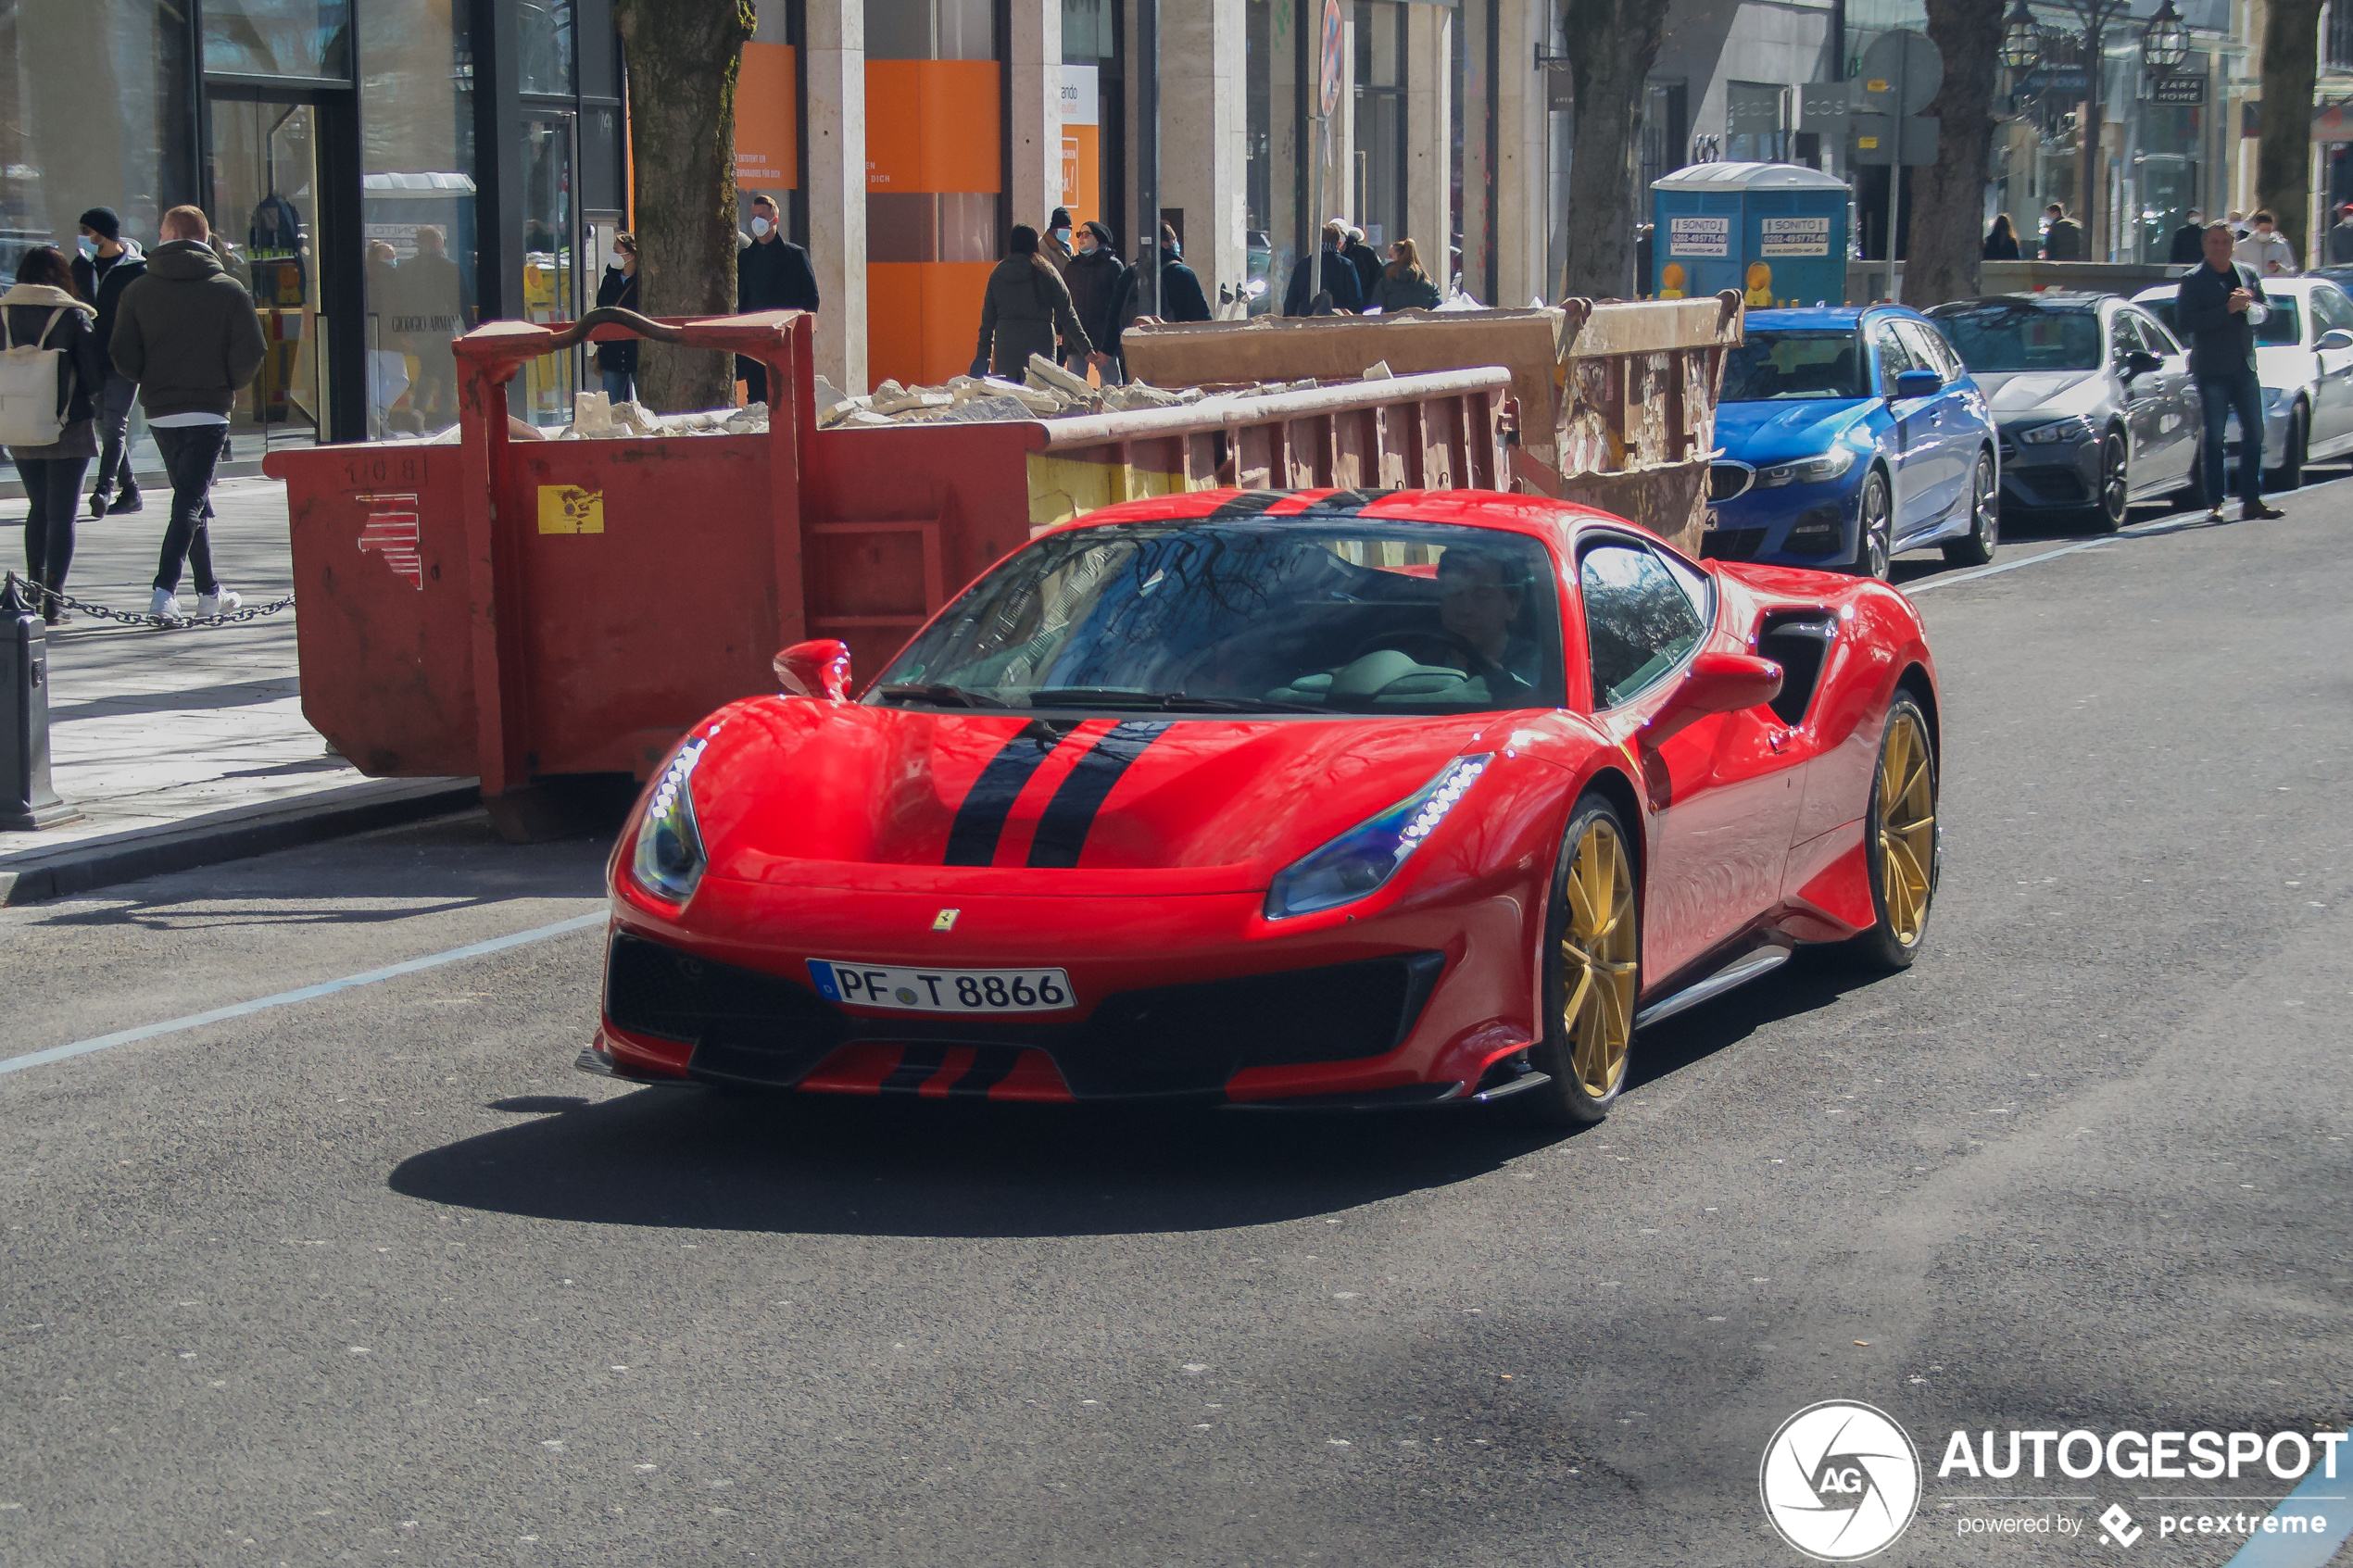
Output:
[[1285, 799]]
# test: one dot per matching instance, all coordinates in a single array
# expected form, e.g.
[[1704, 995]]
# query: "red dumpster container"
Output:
[[520, 609]]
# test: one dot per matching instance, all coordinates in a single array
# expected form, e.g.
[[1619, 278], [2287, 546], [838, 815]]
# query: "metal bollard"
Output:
[[26, 800]]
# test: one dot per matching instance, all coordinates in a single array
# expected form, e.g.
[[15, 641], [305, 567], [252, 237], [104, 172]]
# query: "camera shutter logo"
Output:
[[1839, 1481]]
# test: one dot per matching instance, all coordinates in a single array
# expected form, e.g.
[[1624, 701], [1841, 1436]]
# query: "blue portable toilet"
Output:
[[1773, 232]]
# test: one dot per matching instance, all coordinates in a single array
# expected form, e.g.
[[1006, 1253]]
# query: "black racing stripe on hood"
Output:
[[1346, 502], [971, 838], [1070, 815], [1250, 503]]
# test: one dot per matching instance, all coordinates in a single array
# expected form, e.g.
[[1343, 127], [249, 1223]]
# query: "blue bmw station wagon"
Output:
[[1848, 434]]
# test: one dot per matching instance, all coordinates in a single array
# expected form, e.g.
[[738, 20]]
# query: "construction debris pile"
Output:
[[1048, 392]]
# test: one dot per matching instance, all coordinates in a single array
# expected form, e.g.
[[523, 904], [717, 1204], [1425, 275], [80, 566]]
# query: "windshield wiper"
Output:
[[1167, 702], [939, 692]]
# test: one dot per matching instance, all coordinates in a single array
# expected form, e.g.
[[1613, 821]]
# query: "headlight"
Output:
[[1255, 287], [669, 860], [1807, 471], [2076, 429], [1361, 859]]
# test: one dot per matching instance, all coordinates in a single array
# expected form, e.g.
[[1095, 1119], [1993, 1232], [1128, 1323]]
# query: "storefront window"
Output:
[[545, 28], [278, 37], [94, 100], [417, 207]]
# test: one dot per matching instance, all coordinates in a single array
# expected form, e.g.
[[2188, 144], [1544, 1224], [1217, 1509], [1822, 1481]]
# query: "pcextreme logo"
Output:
[[1839, 1481]]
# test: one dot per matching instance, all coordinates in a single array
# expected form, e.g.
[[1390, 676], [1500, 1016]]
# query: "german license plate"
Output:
[[941, 990]]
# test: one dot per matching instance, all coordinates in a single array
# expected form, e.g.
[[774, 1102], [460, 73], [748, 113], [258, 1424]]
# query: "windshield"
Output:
[[1771, 367], [2003, 338], [2279, 326], [1252, 615]]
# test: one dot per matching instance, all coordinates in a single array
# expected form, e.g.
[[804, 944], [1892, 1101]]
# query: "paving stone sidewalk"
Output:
[[192, 741]]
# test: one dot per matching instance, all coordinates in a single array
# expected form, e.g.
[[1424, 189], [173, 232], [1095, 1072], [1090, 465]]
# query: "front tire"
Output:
[[1976, 548], [1592, 956], [2113, 503], [1875, 528], [1900, 839], [2289, 475]]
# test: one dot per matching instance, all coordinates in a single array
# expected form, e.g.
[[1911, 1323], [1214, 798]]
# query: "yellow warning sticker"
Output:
[[1875, 86], [567, 509], [1860, 141]]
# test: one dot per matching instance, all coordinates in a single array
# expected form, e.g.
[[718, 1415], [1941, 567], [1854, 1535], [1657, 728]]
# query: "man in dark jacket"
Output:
[[772, 273], [2216, 308], [187, 333], [2062, 236], [1367, 264], [1339, 279], [2189, 242], [1093, 274], [2340, 237], [1181, 299], [107, 265]]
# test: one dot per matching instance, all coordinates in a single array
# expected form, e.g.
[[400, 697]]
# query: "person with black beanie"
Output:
[[107, 265]]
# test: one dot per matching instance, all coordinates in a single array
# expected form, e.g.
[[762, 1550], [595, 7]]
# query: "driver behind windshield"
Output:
[[1480, 595]]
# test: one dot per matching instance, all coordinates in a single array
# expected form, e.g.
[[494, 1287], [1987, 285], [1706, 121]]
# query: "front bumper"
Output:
[[1808, 525], [1176, 998], [2049, 475]]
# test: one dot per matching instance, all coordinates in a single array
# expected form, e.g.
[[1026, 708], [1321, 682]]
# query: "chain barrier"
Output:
[[39, 596]]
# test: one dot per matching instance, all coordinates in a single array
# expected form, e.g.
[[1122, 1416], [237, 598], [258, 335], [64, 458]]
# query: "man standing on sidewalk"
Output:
[[2219, 306], [772, 273], [107, 265], [187, 333]]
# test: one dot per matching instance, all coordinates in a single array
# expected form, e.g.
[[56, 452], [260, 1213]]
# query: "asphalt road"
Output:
[[378, 1276]]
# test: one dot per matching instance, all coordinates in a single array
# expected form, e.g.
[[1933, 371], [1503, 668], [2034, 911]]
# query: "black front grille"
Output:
[[1731, 544], [1727, 480], [1174, 1040]]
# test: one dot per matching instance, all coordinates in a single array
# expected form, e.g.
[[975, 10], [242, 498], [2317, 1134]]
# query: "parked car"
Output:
[[1849, 434], [2092, 396], [2304, 356]]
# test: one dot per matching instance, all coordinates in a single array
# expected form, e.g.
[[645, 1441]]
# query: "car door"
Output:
[[2333, 399], [2179, 415], [1960, 424], [1913, 462], [2142, 397], [1723, 800]]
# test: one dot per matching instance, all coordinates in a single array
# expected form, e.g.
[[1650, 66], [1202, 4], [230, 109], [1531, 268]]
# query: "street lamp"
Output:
[[2022, 39], [2165, 44]]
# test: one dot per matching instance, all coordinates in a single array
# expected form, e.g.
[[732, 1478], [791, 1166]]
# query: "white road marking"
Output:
[[2140, 531], [303, 994]]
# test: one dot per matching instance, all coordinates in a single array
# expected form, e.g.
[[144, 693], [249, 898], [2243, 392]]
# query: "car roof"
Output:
[[1820, 318], [2041, 299], [1536, 515]]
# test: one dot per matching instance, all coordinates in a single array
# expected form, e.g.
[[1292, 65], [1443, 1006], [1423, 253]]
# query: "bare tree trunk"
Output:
[[1612, 46], [1948, 197], [2284, 154], [2095, 47], [683, 56]]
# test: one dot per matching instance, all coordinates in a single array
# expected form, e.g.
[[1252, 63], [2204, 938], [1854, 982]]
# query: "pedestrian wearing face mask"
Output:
[[107, 264], [617, 362], [1058, 243], [772, 273], [1093, 276]]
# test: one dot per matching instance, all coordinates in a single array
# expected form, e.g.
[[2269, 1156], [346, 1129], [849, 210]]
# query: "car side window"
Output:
[[2122, 338], [1639, 621], [2332, 309], [2153, 335], [1929, 349], [1894, 357]]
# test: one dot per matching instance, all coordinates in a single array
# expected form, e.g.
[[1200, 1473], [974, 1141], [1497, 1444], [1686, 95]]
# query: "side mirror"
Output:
[[1916, 384], [1717, 683], [2140, 363], [819, 668], [2335, 337]]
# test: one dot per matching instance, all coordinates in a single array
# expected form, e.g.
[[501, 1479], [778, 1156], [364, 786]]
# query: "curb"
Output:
[[30, 877]]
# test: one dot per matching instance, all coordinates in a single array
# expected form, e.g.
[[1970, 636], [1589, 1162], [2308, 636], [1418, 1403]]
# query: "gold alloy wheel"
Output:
[[1597, 961], [1906, 826]]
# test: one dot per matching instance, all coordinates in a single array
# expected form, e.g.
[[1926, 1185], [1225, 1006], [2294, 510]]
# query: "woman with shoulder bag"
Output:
[[1026, 305], [44, 318], [1404, 285]]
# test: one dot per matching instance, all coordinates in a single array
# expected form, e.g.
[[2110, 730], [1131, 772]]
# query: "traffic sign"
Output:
[[1334, 41], [1875, 137], [1901, 71]]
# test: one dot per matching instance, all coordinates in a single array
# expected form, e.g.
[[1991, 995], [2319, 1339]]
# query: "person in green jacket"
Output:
[[188, 334]]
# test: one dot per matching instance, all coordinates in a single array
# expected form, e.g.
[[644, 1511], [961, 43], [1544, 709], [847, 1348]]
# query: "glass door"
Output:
[[552, 271], [264, 166]]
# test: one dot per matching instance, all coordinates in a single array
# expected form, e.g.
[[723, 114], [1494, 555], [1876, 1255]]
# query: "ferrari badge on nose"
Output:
[[945, 920]]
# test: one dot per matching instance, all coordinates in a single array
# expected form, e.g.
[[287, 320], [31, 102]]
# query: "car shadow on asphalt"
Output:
[[840, 1165], [1813, 979]]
